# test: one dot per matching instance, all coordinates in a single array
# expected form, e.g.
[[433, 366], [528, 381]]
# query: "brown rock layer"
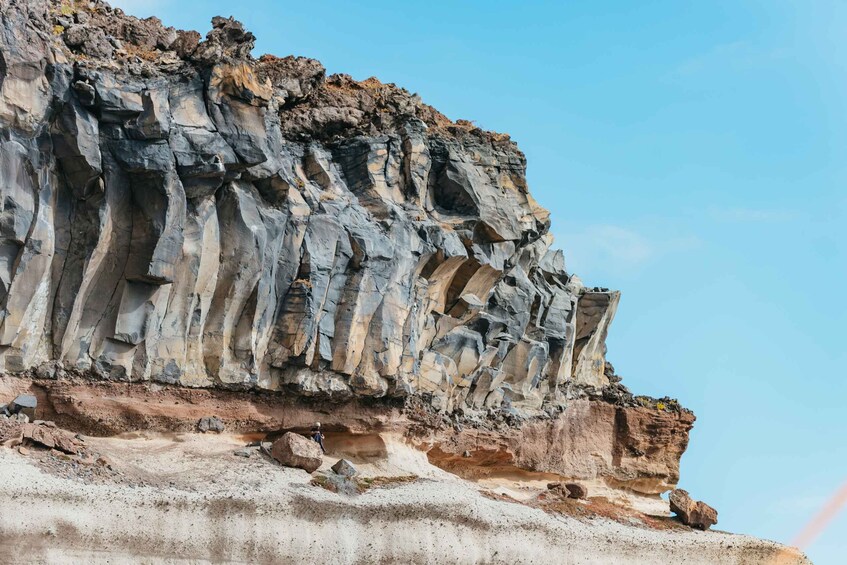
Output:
[[633, 447]]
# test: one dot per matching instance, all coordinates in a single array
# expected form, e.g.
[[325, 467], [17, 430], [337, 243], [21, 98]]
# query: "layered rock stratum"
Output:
[[186, 229]]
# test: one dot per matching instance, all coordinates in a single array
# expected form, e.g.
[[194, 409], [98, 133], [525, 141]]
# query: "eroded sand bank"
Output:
[[187, 498]]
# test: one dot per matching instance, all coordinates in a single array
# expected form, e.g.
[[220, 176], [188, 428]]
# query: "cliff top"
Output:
[[311, 104]]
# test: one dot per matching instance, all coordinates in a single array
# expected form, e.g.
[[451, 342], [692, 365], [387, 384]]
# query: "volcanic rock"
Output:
[[177, 211], [210, 424], [344, 468], [694, 513], [576, 490], [24, 404]]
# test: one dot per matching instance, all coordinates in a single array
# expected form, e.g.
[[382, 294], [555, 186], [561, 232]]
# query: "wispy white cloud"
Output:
[[601, 250]]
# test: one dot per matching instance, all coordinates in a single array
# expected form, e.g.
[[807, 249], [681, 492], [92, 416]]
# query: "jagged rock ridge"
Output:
[[174, 210]]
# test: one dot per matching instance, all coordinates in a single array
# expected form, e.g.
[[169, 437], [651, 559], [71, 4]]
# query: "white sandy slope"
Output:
[[216, 507]]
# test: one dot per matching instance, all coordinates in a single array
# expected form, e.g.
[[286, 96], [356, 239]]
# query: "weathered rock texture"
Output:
[[694, 513], [174, 210], [637, 448]]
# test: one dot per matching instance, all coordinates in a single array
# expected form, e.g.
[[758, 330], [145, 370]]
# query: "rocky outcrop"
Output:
[[637, 448], [179, 212]]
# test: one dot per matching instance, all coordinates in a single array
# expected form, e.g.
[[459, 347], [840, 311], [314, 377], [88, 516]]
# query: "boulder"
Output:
[[568, 490], [24, 404], [210, 424], [344, 468], [294, 450], [576, 490], [51, 438], [694, 513]]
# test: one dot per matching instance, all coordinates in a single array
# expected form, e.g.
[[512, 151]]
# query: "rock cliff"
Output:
[[175, 211], [191, 234]]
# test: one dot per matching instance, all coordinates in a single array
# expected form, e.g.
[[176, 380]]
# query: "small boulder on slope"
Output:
[[344, 468], [576, 490], [694, 513], [24, 404], [210, 424]]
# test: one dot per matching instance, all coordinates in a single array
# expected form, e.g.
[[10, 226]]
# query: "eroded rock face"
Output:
[[637, 448], [176, 211]]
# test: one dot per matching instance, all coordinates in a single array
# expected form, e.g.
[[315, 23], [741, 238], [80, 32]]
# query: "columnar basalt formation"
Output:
[[176, 211]]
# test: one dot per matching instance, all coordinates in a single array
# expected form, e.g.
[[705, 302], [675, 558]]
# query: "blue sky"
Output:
[[693, 156]]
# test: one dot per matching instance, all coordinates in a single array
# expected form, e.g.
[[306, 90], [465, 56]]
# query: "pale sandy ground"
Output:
[[210, 506]]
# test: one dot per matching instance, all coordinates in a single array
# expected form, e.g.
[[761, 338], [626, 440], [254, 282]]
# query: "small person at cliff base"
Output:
[[318, 435]]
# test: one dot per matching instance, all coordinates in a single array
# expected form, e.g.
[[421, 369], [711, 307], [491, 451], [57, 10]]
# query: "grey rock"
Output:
[[23, 406], [344, 468], [201, 218], [245, 452], [210, 424], [89, 40]]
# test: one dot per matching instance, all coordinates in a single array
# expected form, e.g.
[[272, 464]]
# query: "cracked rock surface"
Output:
[[174, 210]]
